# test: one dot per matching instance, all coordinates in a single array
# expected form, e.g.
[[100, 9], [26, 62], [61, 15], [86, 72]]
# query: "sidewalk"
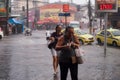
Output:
[[98, 67]]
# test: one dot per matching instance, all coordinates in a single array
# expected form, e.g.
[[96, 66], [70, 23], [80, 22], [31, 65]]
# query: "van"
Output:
[[74, 24]]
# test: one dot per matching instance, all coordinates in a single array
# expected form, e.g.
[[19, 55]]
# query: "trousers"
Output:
[[64, 67]]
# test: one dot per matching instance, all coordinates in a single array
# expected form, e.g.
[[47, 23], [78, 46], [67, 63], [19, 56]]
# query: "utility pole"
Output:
[[27, 14], [7, 17], [90, 16], [35, 12]]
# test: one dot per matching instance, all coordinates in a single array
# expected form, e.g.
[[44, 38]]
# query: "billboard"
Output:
[[106, 5], [49, 13], [2, 8], [65, 7]]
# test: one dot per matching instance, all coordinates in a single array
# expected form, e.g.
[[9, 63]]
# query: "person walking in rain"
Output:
[[67, 58], [54, 38]]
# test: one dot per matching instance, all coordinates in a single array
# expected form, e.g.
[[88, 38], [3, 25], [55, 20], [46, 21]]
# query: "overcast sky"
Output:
[[75, 1]]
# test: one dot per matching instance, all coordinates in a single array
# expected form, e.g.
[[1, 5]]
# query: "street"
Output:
[[28, 58]]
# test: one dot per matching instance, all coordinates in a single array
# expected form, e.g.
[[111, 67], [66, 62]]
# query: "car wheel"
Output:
[[99, 41], [114, 44], [89, 43], [81, 42], [0, 37]]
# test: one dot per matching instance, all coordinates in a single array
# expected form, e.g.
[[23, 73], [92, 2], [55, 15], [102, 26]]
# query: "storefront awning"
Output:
[[14, 21]]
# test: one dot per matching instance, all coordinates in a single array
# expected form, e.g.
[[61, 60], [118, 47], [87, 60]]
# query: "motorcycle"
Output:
[[28, 32]]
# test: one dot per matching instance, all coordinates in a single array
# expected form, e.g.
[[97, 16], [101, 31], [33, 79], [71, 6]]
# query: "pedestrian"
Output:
[[54, 38], [67, 59], [47, 35]]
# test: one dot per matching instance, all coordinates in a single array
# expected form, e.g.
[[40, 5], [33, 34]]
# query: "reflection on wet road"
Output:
[[28, 58]]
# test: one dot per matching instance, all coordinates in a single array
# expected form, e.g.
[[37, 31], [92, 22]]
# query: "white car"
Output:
[[74, 24], [1, 34]]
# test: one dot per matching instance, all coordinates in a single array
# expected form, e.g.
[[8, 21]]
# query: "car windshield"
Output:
[[80, 32], [75, 25], [116, 33]]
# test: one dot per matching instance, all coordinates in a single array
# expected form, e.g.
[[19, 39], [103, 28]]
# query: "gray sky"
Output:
[[75, 1]]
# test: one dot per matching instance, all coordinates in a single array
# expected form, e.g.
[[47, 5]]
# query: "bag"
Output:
[[79, 60], [79, 55], [74, 59], [51, 45]]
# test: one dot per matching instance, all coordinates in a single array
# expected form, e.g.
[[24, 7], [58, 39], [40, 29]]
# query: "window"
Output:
[[108, 33], [116, 33], [102, 33]]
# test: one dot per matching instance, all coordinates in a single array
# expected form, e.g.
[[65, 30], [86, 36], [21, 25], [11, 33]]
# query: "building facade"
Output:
[[3, 15], [114, 18], [49, 14], [17, 6]]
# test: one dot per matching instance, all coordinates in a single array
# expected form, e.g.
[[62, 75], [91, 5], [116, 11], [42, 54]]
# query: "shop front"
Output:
[[3, 25], [16, 26], [49, 15]]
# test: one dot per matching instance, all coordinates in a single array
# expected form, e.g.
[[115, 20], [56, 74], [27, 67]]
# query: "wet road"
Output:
[[25, 58], [28, 58]]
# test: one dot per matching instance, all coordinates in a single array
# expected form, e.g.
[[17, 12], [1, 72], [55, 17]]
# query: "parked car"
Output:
[[1, 34], [84, 37], [113, 37]]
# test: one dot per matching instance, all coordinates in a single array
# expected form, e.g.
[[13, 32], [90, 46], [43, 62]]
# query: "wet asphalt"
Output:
[[28, 58]]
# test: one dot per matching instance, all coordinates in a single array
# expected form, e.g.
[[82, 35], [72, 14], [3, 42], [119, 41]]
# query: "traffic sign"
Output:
[[67, 14], [61, 14], [65, 7], [64, 14]]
